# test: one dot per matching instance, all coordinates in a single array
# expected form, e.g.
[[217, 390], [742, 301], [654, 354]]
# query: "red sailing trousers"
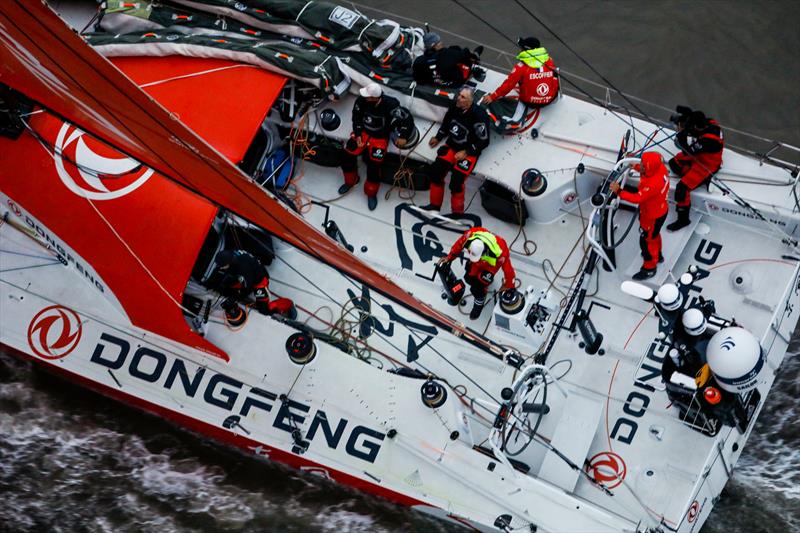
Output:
[[694, 170], [446, 160], [375, 157], [650, 240]]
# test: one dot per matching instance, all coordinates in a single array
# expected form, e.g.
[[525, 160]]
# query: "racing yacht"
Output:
[[134, 154]]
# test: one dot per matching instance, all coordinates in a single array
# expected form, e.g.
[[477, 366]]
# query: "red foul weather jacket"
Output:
[[653, 188], [501, 260], [536, 76]]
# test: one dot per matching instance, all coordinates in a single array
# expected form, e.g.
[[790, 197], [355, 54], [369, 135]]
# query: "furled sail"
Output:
[[337, 26], [261, 34], [310, 65]]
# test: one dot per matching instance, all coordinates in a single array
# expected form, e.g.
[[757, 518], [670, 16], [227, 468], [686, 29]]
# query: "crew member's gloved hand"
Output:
[[615, 187]]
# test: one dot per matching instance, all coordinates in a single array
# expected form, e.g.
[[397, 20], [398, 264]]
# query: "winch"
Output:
[[522, 317]]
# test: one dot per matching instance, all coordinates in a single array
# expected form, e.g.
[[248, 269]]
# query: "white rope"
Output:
[[297, 18], [136, 257], [193, 74]]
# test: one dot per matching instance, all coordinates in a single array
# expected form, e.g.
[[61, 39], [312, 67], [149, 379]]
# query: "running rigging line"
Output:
[[595, 100], [589, 65], [534, 436], [788, 239], [470, 336], [471, 12], [508, 56]]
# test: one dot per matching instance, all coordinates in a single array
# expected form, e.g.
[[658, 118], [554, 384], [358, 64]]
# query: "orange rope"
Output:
[[299, 138]]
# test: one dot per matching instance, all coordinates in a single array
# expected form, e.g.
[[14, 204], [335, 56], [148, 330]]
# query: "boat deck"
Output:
[[613, 419], [616, 397]]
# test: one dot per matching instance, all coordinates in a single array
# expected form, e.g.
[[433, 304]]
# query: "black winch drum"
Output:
[[512, 301], [301, 349]]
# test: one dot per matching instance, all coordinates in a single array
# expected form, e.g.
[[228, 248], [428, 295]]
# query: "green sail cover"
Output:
[[337, 26], [310, 65], [248, 31]]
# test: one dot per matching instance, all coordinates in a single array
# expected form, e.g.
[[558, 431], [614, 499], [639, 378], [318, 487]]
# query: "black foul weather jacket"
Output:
[[382, 119], [465, 129]]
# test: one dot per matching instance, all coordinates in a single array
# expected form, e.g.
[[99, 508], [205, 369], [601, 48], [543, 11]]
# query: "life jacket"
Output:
[[495, 256], [535, 75], [491, 245], [534, 58]]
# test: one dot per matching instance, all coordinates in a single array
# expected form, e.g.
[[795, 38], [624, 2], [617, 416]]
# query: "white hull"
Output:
[[611, 454]]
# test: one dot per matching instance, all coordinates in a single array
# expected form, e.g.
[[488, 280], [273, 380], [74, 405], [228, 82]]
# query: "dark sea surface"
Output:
[[71, 460]]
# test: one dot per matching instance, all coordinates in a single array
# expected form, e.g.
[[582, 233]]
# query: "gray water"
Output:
[[71, 460]]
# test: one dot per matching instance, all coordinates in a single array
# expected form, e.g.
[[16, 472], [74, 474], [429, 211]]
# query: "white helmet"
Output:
[[693, 321], [475, 250], [669, 297]]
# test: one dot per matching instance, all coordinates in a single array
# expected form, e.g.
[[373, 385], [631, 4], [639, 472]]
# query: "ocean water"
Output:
[[72, 461]]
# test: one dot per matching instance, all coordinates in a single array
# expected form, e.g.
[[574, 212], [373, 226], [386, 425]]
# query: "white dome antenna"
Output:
[[735, 358]]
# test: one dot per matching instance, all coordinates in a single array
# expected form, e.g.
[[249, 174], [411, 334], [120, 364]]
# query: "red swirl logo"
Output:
[[14, 208], [94, 170], [607, 468], [542, 89], [54, 332], [693, 511]]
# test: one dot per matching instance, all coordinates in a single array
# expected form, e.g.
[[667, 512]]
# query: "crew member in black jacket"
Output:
[[466, 128], [241, 277], [376, 117], [449, 66]]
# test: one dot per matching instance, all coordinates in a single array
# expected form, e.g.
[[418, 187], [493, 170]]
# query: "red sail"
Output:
[[134, 236], [44, 59], [142, 231], [211, 104]]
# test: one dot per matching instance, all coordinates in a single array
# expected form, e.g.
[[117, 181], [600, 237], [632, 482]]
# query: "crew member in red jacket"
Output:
[[486, 253], [701, 144], [651, 195], [240, 275], [535, 76]]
